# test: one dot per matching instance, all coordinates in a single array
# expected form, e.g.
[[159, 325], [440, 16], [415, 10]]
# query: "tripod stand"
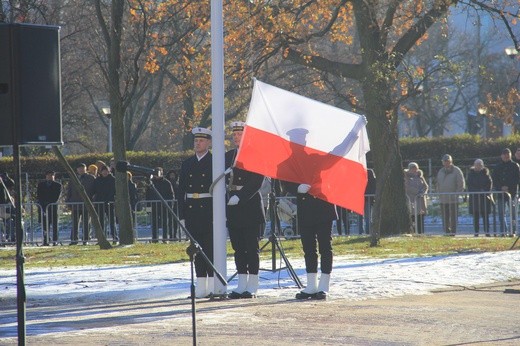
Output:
[[193, 250], [273, 239]]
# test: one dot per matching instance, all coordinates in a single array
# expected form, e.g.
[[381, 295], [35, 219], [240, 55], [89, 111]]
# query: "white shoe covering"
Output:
[[252, 284], [201, 287], [312, 283], [324, 283]]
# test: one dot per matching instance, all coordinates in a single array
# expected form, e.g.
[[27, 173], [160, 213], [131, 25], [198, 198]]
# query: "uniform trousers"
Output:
[[322, 233], [202, 232], [244, 241]]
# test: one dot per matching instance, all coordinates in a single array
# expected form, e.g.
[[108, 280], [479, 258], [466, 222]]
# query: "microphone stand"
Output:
[[193, 250]]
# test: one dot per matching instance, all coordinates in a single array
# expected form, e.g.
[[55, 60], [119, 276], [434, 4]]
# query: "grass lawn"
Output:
[[142, 254]]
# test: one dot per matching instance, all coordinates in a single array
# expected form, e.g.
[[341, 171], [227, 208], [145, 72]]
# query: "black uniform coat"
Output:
[[311, 210], [196, 177], [250, 210]]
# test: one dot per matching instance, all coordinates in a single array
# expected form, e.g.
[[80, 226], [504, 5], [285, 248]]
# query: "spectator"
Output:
[[450, 183], [416, 187], [161, 214], [173, 177], [370, 191], [480, 181], [104, 196], [132, 190], [79, 211], [506, 177], [7, 208], [47, 194], [93, 170]]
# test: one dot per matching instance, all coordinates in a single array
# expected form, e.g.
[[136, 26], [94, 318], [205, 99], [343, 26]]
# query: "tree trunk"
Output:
[[112, 35], [390, 214]]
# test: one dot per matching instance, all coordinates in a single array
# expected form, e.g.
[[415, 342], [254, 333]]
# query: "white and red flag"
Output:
[[290, 137]]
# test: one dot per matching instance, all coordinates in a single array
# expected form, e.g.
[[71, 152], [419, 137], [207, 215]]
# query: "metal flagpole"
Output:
[[217, 125]]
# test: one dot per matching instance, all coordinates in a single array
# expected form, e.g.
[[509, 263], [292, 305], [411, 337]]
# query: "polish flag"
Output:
[[294, 138]]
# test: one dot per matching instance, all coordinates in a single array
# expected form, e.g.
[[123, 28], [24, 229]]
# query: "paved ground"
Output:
[[487, 315]]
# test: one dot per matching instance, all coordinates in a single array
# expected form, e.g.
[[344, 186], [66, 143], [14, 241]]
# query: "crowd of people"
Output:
[[485, 190], [245, 211]]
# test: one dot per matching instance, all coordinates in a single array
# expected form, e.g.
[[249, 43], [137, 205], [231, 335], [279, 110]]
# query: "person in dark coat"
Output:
[[160, 213], [132, 191], [480, 181], [245, 217], [78, 208], [8, 183], [196, 206], [506, 177], [315, 217], [104, 198], [173, 177], [48, 192]]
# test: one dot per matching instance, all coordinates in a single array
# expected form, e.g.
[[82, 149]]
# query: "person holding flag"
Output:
[[316, 147], [245, 217], [314, 215]]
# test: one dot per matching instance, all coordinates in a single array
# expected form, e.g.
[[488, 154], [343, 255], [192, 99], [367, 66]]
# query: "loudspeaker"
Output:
[[30, 85]]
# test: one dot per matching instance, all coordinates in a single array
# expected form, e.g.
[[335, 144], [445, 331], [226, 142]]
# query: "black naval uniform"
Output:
[[315, 218], [245, 219], [196, 206]]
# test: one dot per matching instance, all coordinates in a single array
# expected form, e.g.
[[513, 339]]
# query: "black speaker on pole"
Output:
[[30, 85]]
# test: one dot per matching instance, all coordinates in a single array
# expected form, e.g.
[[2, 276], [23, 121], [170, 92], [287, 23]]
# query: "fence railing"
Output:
[[491, 213]]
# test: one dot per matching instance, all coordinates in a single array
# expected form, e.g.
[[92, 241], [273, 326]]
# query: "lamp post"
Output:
[[106, 112], [482, 111], [511, 52]]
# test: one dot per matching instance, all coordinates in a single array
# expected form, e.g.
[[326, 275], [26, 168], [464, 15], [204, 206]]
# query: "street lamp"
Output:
[[482, 111], [107, 113], [511, 52]]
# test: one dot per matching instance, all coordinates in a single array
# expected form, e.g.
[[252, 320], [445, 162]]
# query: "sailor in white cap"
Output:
[[245, 217], [196, 206]]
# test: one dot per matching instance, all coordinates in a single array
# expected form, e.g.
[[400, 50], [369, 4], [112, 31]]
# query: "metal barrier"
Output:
[[30, 224], [150, 216], [496, 217]]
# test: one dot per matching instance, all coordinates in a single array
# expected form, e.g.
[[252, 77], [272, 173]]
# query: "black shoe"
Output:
[[303, 295], [476, 234], [321, 295], [248, 295], [45, 244], [234, 295], [85, 243], [73, 243]]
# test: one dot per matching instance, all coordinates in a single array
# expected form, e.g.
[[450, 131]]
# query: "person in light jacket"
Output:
[[450, 183], [416, 187]]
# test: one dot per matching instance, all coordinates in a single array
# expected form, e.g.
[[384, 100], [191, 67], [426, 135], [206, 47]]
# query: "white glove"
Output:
[[233, 200], [303, 188], [183, 223]]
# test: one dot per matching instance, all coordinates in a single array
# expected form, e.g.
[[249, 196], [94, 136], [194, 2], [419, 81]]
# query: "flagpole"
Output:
[[217, 125]]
